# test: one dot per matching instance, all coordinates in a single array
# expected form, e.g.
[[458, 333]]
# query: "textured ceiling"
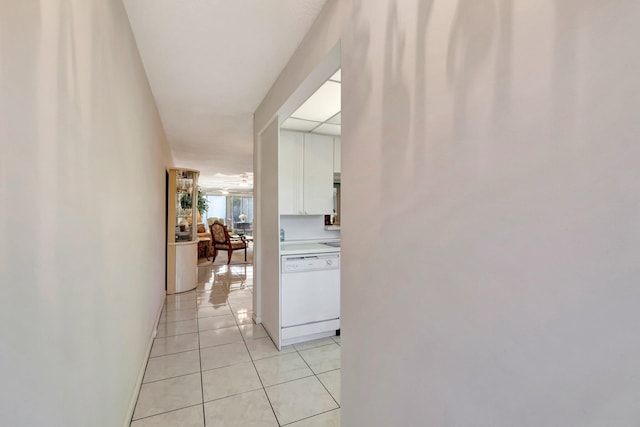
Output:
[[209, 64]]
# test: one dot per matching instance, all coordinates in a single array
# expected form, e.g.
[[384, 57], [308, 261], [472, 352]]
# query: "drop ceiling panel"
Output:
[[336, 120], [322, 105], [328, 129], [299, 125]]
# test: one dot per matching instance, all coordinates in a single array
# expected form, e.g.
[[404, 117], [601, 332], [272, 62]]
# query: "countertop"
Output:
[[293, 248]]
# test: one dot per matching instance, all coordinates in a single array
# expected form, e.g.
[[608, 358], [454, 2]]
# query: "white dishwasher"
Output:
[[310, 296]]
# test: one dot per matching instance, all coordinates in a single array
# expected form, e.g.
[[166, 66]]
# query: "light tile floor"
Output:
[[210, 365]]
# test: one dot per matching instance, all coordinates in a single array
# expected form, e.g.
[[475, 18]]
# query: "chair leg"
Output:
[[215, 254], [245, 252], [230, 253]]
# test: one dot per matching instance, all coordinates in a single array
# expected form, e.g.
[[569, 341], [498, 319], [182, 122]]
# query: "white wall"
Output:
[[317, 57], [266, 233], [320, 42], [500, 140], [82, 178]]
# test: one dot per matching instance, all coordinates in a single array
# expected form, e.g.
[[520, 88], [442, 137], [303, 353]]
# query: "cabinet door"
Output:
[[318, 174], [290, 152], [336, 154]]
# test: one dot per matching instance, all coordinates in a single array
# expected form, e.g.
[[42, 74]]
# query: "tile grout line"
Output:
[[204, 415], [200, 351], [245, 339], [309, 417], [316, 375], [253, 362], [168, 412], [174, 377], [142, 383], [175, 352]]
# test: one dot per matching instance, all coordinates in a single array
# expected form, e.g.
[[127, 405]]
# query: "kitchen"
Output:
[[305, 300]]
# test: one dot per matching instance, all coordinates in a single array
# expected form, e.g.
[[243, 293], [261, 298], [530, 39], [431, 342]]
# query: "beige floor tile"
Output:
[[328, 419], [214, 310], [217, 322], [204, 287], [331, 381], [187, 417], [230, 380], [173, 305], [204, 295], [172, 365], [175, 344], [244, 317], [223, 355], [220, 336], [181, 298], [168, 395], [322, 359], [250, 409], [312, 344], [299, 399], [205, 276], [212, 299], [241, 311], [170, 329], [264, 347], [282, 368], [241, 297], [252, 331], [177, 315], [241, 303], [216, 317]]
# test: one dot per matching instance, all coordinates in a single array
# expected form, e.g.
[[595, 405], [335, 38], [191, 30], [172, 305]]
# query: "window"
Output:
[[241, 213], [217, 207], [236, 210]]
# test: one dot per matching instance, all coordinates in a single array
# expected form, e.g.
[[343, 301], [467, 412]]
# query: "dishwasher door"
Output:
[[310, 289]]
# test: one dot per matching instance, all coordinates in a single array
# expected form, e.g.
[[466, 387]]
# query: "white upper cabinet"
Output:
[[305, 174], [336, 154], [290, 162], [318, 174]]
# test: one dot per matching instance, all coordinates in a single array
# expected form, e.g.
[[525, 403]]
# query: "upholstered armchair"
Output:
[[203, 231], [213, 219], [222, 241]]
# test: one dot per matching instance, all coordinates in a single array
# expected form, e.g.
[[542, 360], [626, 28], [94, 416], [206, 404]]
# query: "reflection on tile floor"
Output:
[[211, 365]]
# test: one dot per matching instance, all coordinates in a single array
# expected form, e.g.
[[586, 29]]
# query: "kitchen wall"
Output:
[[306, 227], [497, 283], [82, 230], [315, 60]]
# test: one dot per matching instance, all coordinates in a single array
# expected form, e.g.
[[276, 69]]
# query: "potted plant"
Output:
[[203, 203]]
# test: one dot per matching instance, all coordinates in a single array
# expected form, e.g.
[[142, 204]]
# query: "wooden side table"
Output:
[[204, 247]]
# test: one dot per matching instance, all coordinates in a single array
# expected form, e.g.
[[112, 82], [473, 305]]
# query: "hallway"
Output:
[[210, 365]]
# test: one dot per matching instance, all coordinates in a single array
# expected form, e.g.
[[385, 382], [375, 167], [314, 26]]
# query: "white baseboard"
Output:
[[143, 367], [305, 338], [310, 331]]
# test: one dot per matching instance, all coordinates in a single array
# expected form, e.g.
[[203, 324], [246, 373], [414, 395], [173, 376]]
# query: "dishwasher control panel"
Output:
[[302, 263]]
